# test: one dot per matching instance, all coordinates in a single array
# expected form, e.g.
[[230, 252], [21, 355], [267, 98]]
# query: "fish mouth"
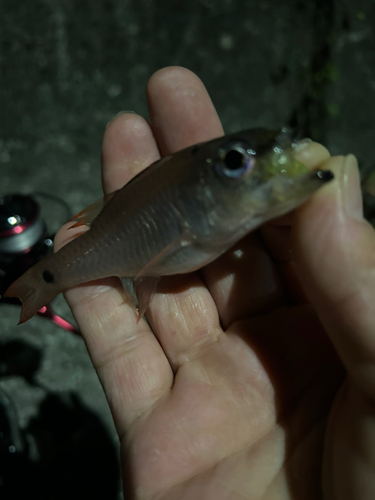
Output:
[[282, 194], [278, 196], [308, 183]]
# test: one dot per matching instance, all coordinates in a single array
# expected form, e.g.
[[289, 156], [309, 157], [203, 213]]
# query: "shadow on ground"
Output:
[[64, 452]]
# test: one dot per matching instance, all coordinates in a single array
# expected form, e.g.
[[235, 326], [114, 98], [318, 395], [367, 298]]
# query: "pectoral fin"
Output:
[[169, 249], [145, 283], [145, 289], [139, 293], [86, 216]]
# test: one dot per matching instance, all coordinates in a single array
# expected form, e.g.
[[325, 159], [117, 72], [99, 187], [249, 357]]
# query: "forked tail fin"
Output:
[[33, 292]]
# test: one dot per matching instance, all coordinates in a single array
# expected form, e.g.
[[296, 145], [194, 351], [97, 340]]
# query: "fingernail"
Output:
[[125, 112], [353, 202], [302, 144]]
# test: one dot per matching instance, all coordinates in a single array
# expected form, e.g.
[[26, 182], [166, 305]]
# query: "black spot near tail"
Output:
[[48, 276]]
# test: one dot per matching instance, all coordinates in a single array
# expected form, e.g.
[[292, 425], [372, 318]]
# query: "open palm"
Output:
[[234, 388]]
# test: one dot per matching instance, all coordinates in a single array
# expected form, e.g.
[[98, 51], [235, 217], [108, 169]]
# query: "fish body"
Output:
[[178, 215]]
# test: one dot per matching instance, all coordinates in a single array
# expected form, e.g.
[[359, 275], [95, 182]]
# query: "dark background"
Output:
[[66, 67]]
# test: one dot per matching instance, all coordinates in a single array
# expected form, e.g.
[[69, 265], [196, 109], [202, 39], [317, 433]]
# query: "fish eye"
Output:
[[235, 160]]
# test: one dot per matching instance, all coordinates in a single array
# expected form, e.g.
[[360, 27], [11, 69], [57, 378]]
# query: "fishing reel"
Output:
[[24, 241]]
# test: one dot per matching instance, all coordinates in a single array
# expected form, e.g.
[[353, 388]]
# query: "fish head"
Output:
[[252, 177]]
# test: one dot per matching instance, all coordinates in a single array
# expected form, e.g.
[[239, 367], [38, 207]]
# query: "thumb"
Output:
[[334, 251]]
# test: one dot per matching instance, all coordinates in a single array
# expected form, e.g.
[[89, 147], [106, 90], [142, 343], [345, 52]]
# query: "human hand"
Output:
[[240, 387]]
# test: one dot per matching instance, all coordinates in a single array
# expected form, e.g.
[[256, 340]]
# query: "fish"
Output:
[[176, 216]]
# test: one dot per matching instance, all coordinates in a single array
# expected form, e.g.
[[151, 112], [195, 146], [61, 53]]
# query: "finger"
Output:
[[184, 317], [245, 280], [334, 249], [183, 313], [128, 147], [278, 242], [130, 362], [181, 110]]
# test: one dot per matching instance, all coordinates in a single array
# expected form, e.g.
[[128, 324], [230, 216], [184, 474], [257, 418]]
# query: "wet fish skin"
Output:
[[177, 215]]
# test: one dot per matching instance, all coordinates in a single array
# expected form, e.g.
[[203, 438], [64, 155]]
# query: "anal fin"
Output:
[[168, 250]]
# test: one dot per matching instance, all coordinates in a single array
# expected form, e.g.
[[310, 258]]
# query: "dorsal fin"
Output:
[[86, 216]]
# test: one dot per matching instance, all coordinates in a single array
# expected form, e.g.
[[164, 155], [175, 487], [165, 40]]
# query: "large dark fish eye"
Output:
[[235, 160]]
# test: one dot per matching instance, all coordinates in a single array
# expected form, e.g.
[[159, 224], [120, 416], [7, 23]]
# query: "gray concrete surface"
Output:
[[67, 67]]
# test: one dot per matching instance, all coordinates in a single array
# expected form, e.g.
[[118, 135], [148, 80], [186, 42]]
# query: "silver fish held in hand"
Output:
[[176, 216]]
